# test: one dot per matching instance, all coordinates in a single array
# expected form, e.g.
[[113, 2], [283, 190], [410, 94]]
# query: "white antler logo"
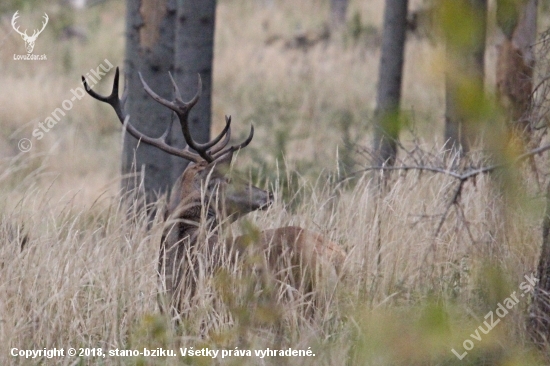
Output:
[[29, 40]]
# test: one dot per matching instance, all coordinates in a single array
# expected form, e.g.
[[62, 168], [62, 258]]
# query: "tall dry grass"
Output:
[[77, 269], [86, 277]]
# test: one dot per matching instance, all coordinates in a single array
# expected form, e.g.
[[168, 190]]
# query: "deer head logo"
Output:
[[29, 40]]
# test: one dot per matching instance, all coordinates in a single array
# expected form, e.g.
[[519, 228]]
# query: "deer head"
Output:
[[207, 179], [29, 40]]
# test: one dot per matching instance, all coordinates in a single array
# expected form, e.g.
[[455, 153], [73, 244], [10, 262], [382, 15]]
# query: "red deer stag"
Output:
[[206, 194]]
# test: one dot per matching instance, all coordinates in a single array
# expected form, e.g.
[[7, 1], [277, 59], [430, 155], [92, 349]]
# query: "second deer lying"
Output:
[[205, 196]]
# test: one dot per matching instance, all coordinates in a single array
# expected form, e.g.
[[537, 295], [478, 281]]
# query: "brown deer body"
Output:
[[205, 196]]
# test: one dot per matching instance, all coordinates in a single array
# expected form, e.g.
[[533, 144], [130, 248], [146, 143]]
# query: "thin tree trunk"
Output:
[[464, 74], [516, 62], [149, 50], [194, 55], [390, 77]]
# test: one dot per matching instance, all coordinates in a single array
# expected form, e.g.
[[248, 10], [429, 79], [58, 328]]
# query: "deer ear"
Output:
[[220, 166]]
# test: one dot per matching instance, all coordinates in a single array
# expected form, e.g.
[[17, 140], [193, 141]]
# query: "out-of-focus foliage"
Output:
[[460, 23], [508, 13], [8, 6]]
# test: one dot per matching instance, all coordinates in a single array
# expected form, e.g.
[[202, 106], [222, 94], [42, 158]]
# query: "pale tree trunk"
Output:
[[515, 63], [390, 75], [193, 56], [464, 74], [338, 10], [149, 50]]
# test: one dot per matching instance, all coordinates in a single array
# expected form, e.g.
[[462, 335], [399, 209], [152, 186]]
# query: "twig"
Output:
[[411, 167], [455, 174]]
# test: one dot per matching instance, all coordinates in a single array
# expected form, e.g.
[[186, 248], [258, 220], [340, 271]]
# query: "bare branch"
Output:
[[456, 174]]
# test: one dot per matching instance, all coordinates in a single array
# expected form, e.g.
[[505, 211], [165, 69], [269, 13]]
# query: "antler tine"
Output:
[[160, 142], [111, 99], [245, 142], [158, 98], [177, 90], [114, 101], [223, 144], [236, 147], [168, 129]]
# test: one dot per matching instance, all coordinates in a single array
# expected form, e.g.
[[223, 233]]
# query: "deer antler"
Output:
[[118, 105], [209, 151]]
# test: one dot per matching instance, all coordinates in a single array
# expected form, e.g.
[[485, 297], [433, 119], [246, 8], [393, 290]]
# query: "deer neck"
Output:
[[192, 212], [191, 221]]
